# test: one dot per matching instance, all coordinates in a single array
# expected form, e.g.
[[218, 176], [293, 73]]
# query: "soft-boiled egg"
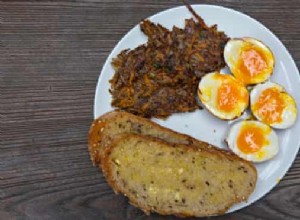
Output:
[[249, 60], [223, 95], [253, 141], [271, 104]]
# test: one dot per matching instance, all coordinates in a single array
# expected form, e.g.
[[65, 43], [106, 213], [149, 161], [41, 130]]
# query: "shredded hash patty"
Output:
[[161, 77]]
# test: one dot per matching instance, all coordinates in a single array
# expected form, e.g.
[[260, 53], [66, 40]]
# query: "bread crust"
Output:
[[100, 137], [107, 169]]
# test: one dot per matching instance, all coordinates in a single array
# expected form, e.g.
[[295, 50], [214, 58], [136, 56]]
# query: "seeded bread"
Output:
[[105, 127], [176, 179]]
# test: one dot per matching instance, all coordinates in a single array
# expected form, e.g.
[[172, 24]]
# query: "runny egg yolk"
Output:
[[229, 94], [252, 138], [227, 97], [270, 106], [251, 64]]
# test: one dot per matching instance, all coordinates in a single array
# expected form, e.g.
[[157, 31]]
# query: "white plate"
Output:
[[200, 124]]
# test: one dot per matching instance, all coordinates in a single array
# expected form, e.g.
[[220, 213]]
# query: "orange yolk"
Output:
[[251, 139], [270, 106], [251, 64], [229, 94]]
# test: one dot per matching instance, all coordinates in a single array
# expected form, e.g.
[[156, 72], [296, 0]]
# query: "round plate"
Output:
[[202, 125]]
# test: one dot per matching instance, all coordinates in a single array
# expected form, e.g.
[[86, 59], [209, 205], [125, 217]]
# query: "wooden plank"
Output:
[[50, 60]]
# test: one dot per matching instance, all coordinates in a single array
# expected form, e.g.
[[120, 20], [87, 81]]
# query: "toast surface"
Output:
[[177, 179], [113, 123], [104, 129]]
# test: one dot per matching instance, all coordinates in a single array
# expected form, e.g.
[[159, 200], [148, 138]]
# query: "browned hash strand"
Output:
[[161, 77]]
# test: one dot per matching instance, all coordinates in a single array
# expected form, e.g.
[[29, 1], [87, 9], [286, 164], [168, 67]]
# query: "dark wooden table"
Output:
[[50, 58]]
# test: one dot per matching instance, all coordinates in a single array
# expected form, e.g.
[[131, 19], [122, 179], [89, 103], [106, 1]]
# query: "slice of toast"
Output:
[[176, 179], [104, 128]]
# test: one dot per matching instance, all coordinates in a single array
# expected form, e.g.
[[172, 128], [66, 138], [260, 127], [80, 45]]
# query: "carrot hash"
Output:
[[161, 77]]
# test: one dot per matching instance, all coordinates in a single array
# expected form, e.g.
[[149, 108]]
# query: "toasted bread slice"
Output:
[[176, 179], [105, 127]]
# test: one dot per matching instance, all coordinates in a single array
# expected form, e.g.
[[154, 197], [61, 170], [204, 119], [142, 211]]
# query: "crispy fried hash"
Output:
[[161, 77]]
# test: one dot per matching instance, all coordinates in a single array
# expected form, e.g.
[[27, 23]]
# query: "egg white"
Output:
[[265, 153], [289, 114]]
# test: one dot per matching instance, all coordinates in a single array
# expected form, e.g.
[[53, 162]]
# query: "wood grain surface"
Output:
[[51, 53]]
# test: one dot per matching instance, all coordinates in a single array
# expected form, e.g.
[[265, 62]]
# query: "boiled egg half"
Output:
[[223, 95], [249, 60], [271, 104], [253, 141]]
